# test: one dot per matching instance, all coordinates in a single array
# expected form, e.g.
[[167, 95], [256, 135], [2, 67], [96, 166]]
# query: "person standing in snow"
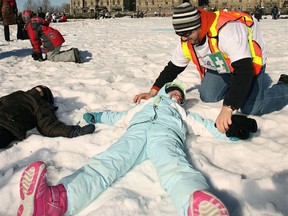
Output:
[[8, 14], [21, 111], [21, 31], [157, 131], [40, 33], [230, 54], [62, 18], [275, 12], [41, 14], [48, 17], [258, 13]]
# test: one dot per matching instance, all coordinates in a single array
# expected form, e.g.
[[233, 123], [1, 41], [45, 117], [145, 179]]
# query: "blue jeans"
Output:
[[261, 99]]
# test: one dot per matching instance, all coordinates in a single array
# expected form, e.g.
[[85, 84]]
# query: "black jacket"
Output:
[[21, 111]]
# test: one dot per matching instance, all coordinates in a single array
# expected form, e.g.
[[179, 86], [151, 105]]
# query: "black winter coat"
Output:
[[22, 111]]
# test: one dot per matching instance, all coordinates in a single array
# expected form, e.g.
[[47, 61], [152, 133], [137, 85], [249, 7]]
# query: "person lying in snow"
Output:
[[40, 33], [156, 130], [21, 111]]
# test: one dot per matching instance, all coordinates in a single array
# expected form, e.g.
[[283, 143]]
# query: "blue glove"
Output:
[[92, 118]]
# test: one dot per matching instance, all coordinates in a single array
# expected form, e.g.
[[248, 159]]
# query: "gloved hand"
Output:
[[241, 127], [37, 56], [79, 131], [92, 118]]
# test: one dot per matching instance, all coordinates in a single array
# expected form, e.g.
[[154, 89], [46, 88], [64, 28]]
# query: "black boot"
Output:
[[7, 33], [283, 78], [78, 58], [19, 32]]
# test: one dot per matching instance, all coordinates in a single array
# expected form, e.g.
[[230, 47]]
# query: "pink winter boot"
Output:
[[37, 197], [203, 203]]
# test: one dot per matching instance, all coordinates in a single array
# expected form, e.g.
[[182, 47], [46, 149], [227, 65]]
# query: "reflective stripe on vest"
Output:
[[190, 53], [221, 19]]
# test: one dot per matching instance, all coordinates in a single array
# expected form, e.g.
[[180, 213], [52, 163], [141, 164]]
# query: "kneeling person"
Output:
[[40, 33]]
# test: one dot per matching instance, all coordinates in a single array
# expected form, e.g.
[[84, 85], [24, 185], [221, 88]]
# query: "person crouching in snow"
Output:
[[21, 111], [62, 18], [40, 33], [156, 131]]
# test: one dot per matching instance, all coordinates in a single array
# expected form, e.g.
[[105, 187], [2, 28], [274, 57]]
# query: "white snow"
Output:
[[123, 57]]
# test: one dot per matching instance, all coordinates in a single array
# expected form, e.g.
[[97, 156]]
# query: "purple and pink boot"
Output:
[[203, 203], [37, 197]]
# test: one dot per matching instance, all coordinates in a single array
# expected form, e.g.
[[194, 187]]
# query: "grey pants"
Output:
[[61, 56]]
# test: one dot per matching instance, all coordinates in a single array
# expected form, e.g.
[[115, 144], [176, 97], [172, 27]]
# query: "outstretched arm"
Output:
[[106, 117], [121, 119], [169, 73], [137, 99], [203, 127], [240, 127], [241, 81], [48, 124]]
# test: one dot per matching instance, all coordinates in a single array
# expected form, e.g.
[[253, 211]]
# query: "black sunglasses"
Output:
[[184, 34]]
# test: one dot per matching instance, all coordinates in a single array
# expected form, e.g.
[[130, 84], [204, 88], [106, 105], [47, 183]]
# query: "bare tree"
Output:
[[35, 5], [46, 5], [29, 4]]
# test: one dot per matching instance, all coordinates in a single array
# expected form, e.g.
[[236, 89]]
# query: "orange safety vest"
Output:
[[221, 19]]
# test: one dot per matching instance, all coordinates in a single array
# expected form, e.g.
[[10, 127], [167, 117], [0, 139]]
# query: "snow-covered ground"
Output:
[[122, 58]]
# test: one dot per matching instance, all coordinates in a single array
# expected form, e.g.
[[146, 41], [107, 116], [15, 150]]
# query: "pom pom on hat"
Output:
[[185, 18]]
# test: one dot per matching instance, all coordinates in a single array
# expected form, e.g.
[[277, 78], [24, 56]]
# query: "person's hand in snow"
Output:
[[80, 131], [146, 96], [224, 119]]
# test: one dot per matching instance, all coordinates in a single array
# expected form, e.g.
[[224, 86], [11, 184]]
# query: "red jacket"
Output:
[[62, 19], [40, 33]]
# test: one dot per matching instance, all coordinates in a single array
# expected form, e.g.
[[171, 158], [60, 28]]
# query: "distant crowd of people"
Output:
[[259, 12], [52, 17]]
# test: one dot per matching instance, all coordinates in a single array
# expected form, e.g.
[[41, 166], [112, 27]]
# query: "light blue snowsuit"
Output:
[[156, 131]]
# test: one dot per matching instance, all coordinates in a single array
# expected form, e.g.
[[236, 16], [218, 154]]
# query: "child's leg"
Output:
[[85, 185], [177, 176]]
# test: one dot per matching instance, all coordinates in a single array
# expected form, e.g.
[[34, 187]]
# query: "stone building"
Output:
[[159, 7]]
